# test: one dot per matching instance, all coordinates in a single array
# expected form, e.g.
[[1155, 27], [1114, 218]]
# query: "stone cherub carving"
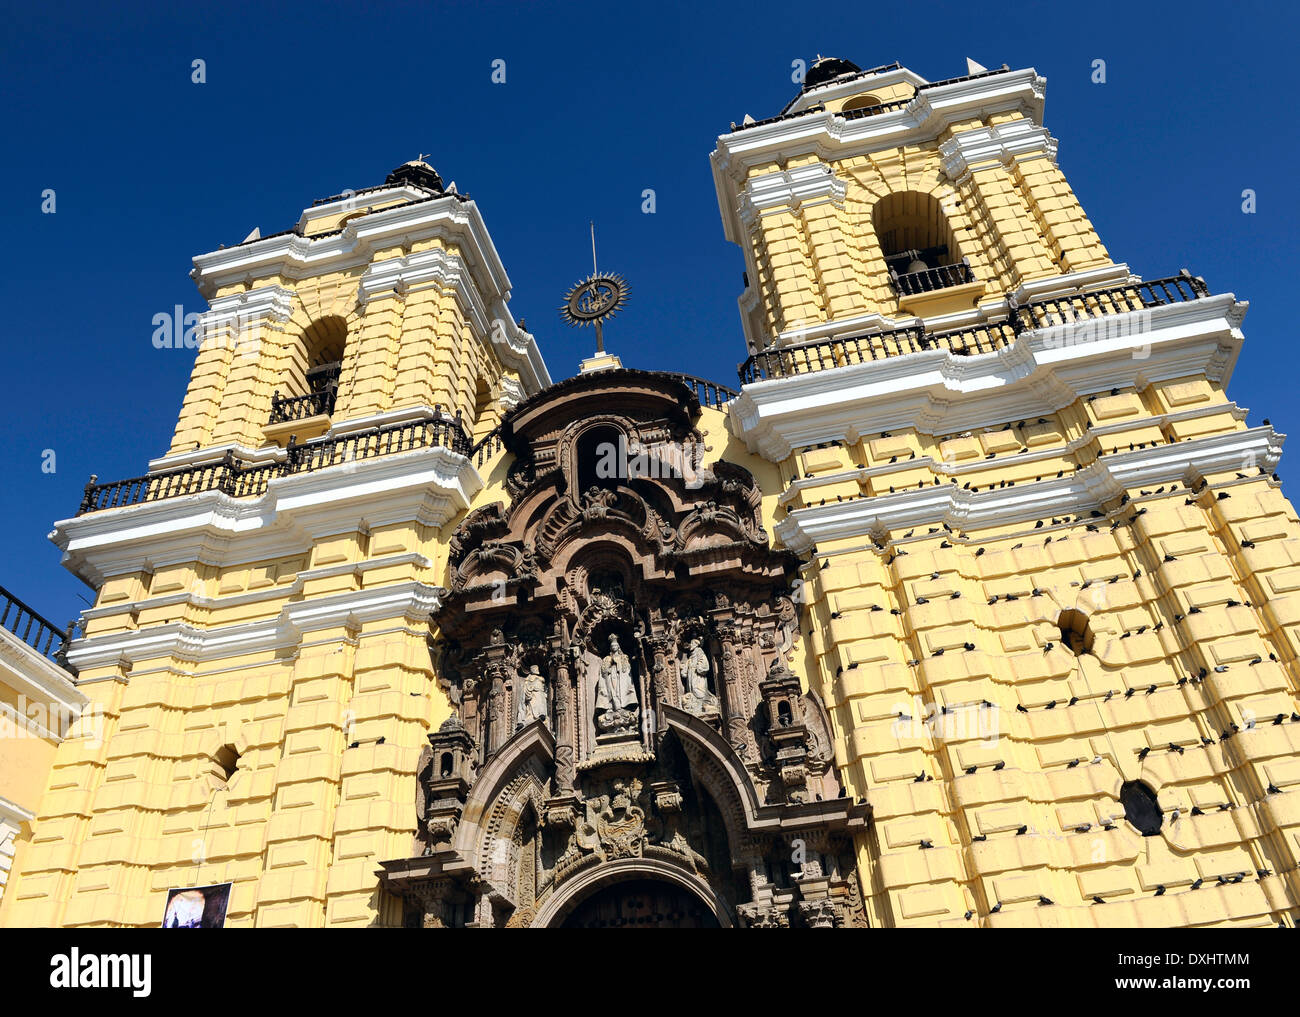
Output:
[[532, 698], [696, 695], [616, 702]]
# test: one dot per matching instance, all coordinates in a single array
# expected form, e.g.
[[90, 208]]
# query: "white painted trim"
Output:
[[35, 677], [1041, 371], [1103, 480], [428, 486], [12, 812], [410, 599]]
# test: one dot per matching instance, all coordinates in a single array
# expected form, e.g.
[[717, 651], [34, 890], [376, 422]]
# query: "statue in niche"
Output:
[[532, 698], [616, 702], [696, 695]]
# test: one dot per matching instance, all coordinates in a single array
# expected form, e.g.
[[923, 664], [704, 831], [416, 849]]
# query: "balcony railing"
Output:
[[876, 110], [858, 348], [286, 408], [709, 393], [927, 280], [245, 480], [37, 631], [1113, 300], [861, 348]]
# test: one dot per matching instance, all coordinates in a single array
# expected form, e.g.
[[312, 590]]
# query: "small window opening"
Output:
[[1141, 808], [227, 760], [1076, 635]]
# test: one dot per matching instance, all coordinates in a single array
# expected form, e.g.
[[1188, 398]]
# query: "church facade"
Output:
[[974, 604]]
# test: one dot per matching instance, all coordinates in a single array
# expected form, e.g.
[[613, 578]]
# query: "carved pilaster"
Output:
[[565, 747], [734, 697]]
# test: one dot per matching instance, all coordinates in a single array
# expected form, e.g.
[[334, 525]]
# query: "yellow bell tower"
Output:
[[258, 649], [1051, 575]]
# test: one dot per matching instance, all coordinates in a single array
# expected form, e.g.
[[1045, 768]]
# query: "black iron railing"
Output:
[[861, 348], [841, 351], [486, 447], [927, 280], [243, 480], [286, 408], [815, 108], [709, 393], [34, 629], [1112, 300], [876, 110]]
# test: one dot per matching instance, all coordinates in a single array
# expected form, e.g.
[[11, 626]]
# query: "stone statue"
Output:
[[616, 702], [532, 698], [696, 697]]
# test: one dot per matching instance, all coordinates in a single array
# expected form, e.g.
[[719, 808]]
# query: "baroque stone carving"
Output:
[[644, 621]]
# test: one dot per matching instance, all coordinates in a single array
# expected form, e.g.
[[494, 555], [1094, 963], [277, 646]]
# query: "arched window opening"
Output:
[[600, 458], [860, 102], [1141, 808], [445, 765], [918, 243], [309, 385], [1076, 635]]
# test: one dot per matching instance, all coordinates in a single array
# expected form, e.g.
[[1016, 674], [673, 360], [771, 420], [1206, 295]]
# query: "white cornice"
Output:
[[427, 486], [831, 137], [787, 190], [968, 150], [410, 600], [35, 677], [1101, 481], [360, 203], [941, 393]]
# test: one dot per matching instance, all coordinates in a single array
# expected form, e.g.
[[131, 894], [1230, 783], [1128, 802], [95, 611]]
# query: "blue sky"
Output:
[[600, 102]]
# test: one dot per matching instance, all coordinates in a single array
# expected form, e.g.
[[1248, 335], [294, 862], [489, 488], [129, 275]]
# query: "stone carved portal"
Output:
[[627, 740]]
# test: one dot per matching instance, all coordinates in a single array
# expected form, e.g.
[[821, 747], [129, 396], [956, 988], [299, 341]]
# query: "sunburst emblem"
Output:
[[596, 299]]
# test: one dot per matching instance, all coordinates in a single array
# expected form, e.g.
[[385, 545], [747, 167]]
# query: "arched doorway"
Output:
[[641, 904]]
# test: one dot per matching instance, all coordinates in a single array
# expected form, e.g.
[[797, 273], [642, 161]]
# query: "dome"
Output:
[[417, 172], [826, 69]]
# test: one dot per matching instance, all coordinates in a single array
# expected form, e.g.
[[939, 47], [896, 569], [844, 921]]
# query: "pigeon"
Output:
[[1044, 901], [1022, 831]]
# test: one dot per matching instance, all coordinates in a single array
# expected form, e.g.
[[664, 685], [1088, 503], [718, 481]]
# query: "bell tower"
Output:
[[259, 643], [1047, 558], [380, 304]]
